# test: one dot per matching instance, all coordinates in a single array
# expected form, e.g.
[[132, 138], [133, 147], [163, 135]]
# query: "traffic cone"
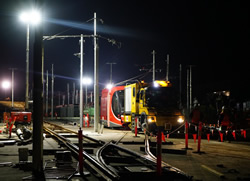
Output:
[[167, 136], [163, 137], [194, 136], [208, 137], [83, 120]]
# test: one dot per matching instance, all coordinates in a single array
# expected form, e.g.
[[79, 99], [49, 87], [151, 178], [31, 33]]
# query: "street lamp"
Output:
[[86, 81], [32, 17], [109, 86], [6, 85]]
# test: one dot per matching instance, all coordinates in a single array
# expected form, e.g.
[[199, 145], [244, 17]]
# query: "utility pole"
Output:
[[27, 69], [52, 91], [110, 63], [47, 93], [12, 85], [73, 93], [188, 99], [63, 100], [37, 146], [96, 79], [153, 52], [167, 68], [180, 106], [76, 96], [190, 88], [68, 92], [81, 74]]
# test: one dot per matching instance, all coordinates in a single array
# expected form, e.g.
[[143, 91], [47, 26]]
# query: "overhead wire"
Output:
[[134, 78]]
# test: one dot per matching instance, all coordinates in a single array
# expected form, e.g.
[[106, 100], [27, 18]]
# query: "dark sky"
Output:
[[212, 35]]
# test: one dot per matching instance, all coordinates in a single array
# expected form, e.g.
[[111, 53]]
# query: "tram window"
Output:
[[118, 103], [133, 91], [142, 94]]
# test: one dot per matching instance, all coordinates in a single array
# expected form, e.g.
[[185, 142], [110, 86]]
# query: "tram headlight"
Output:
[[180, 119], [151, 119]]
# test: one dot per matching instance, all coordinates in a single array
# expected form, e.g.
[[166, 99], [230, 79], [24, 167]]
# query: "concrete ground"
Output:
[[216, 160]]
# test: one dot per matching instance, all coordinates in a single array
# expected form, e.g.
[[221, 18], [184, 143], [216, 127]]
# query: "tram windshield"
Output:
[[161, 97], [118, 102]]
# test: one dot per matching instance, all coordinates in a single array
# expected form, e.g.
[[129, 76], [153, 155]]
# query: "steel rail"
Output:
[[110, 172], [100, 159], [75, 132], [92, 162]]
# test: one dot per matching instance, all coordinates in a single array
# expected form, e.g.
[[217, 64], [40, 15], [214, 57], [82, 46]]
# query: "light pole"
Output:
[[12, 86], [34, 18]]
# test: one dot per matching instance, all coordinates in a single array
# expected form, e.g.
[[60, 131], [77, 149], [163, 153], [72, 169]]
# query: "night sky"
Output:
[[211, 35]]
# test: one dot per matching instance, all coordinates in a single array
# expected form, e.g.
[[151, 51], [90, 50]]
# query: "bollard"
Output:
[[208, 137], [12, 122], [87, 120], [135, 126], [84, 120], [80, 151], [159, 169], [199, 137], [186, 135], [221, 136]]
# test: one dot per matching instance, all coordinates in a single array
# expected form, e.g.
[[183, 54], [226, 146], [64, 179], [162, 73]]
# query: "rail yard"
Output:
[[116, 154]]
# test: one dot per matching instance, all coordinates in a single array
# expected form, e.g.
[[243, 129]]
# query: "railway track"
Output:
[[108, 161]]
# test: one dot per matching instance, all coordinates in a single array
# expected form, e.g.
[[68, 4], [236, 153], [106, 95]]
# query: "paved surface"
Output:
[[216, 161]]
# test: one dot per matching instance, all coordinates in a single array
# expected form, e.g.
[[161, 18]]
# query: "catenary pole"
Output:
[[81, 74], [47, 93], [167, 68], [68, 92], [96, 79], [27, 68], [37, 156], [180, 86], [153, 52], [188, 108], [190, 88], [52, 91]]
